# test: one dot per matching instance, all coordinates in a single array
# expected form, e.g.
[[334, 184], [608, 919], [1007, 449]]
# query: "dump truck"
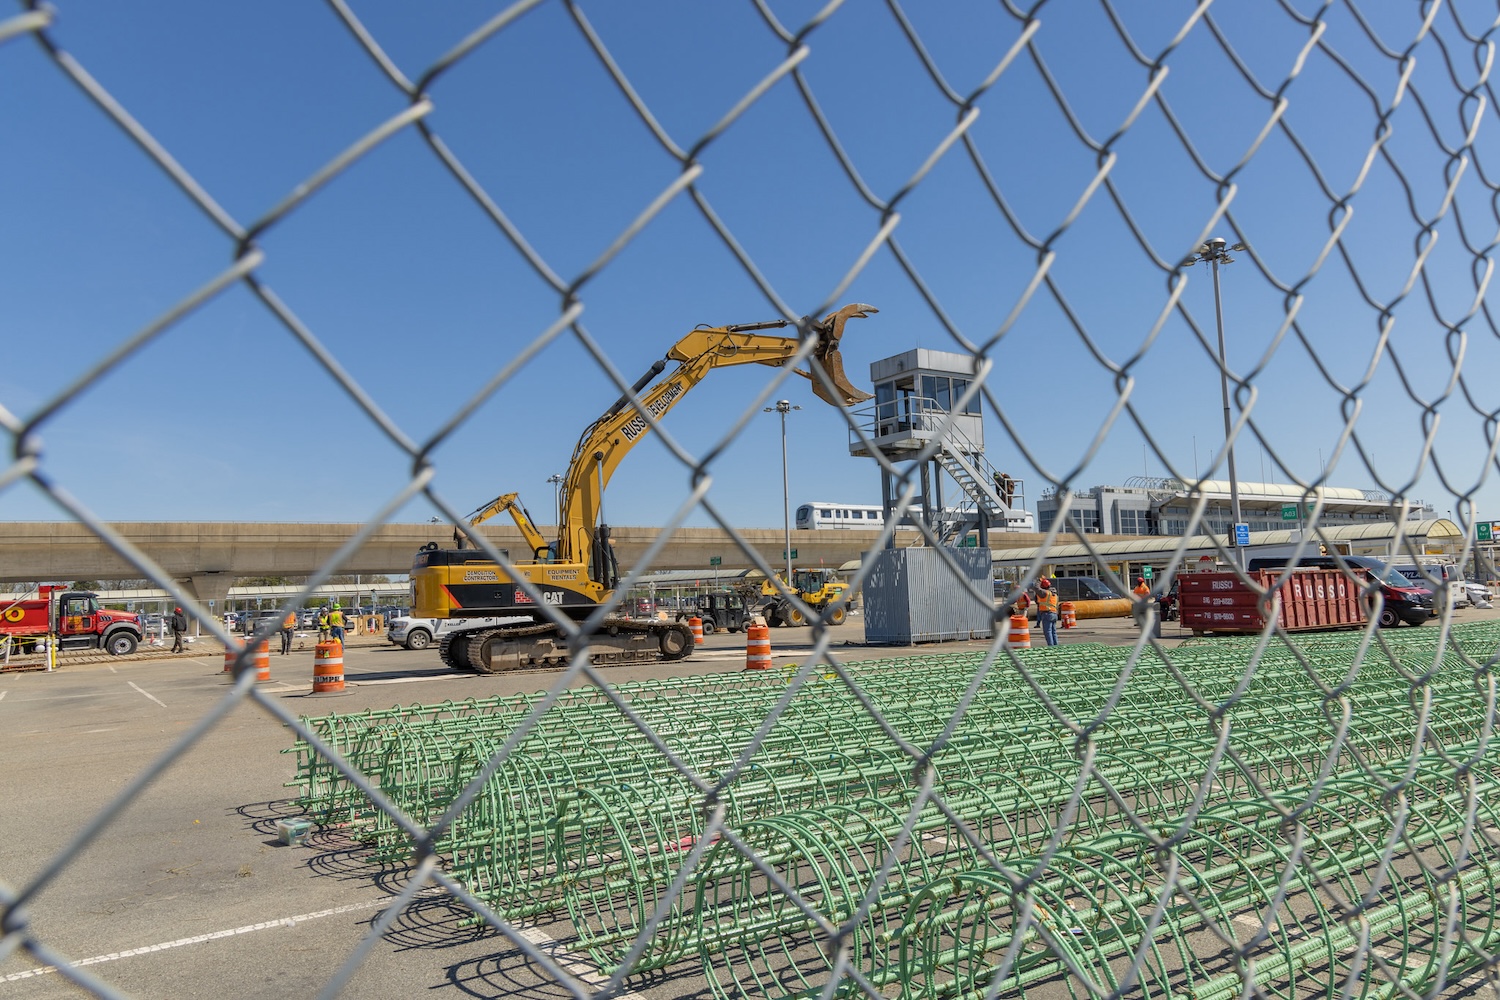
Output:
[[74, 617]]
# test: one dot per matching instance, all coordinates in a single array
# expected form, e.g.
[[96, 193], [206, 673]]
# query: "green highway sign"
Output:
[[1147, 572], [1482, 531], [1289, 512], [715, 560], [788, 555]]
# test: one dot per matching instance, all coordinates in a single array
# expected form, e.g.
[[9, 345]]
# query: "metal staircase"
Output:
[[901, 428], [966, 465]]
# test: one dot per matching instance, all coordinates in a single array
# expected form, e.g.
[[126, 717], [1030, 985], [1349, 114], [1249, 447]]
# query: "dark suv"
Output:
[[1401, 602], [1084, 588]]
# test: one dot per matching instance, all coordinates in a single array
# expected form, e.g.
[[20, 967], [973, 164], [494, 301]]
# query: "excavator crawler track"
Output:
[[540, 646]]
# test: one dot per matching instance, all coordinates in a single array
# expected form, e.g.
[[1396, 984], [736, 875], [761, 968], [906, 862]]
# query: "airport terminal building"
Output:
[[1146, 506]]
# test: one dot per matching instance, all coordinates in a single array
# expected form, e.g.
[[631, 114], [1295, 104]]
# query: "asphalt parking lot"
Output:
[[186, 891]]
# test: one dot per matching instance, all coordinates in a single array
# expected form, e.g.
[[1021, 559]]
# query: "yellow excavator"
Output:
[[576, 572]]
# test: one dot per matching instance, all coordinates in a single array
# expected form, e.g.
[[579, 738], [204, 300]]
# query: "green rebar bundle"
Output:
[[1194, 817]]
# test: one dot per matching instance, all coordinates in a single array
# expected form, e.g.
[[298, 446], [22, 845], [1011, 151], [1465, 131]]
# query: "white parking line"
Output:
[[574, 963], [410, 680], [3, 694], [148, 694], [202, 938], [735, 654]]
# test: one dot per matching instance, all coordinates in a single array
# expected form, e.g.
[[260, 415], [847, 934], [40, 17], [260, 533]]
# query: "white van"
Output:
[[1439, 575]]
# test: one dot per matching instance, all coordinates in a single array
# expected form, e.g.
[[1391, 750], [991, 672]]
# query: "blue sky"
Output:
[[422, 299]]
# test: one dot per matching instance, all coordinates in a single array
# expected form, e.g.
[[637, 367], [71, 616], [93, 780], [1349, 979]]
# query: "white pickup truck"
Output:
[[419, 633], [1440, 577]]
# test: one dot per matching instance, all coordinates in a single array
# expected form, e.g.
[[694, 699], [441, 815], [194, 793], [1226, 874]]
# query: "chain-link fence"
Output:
[[1285, 814]]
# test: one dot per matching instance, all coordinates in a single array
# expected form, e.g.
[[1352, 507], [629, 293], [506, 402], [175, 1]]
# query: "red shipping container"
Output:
[[1305, 599]]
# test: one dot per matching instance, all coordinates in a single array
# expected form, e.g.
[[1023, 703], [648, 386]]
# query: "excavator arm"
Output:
[[509, 503], [605, 443]]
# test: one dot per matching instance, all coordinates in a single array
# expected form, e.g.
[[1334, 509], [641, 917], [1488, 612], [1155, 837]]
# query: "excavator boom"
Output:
[[605, 443]]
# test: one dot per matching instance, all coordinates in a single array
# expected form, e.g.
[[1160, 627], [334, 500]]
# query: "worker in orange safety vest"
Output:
[[1046, 611]]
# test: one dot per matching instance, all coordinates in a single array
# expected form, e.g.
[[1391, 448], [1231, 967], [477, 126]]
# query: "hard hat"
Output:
[[337, 604], [178, 610], [1044, 584]]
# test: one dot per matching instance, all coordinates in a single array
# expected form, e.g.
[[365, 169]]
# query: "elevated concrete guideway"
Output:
[[207, 556]]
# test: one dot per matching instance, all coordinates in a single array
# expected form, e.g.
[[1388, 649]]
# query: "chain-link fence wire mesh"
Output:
[[1312, 817]]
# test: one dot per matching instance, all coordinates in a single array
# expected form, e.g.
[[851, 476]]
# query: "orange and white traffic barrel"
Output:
[[757, 647], [231, 653], [1020, 632], [1069, 614], [263, 661], [696, 624], [328, 668]]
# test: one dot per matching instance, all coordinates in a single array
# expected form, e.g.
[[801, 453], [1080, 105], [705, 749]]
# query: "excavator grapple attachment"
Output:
[[832, 362]]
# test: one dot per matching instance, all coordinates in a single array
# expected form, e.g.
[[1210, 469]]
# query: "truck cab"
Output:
[[82, 624]]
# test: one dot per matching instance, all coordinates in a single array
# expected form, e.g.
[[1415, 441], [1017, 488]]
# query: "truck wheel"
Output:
[[708, 626], [120, 644], [792, 615], [418, 638], [1388, 618], [838, 616]]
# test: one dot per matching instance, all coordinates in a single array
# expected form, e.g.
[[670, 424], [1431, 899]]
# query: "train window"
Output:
[[859, 514], [825, 513]]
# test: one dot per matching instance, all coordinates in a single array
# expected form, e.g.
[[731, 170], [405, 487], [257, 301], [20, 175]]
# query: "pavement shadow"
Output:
[[514, 972]]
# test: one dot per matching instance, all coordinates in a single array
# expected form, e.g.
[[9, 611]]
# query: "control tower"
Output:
[[919, 404]]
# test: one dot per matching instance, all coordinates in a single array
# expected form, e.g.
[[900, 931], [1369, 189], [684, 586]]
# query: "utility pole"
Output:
[[784, 407], [1214, 252]]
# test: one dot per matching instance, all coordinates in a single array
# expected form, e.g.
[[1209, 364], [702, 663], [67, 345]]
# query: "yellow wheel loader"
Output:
[[816, 588]]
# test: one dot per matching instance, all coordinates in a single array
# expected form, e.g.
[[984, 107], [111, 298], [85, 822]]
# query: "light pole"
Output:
[[556, 480], [1213, 252], [784, 407]]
